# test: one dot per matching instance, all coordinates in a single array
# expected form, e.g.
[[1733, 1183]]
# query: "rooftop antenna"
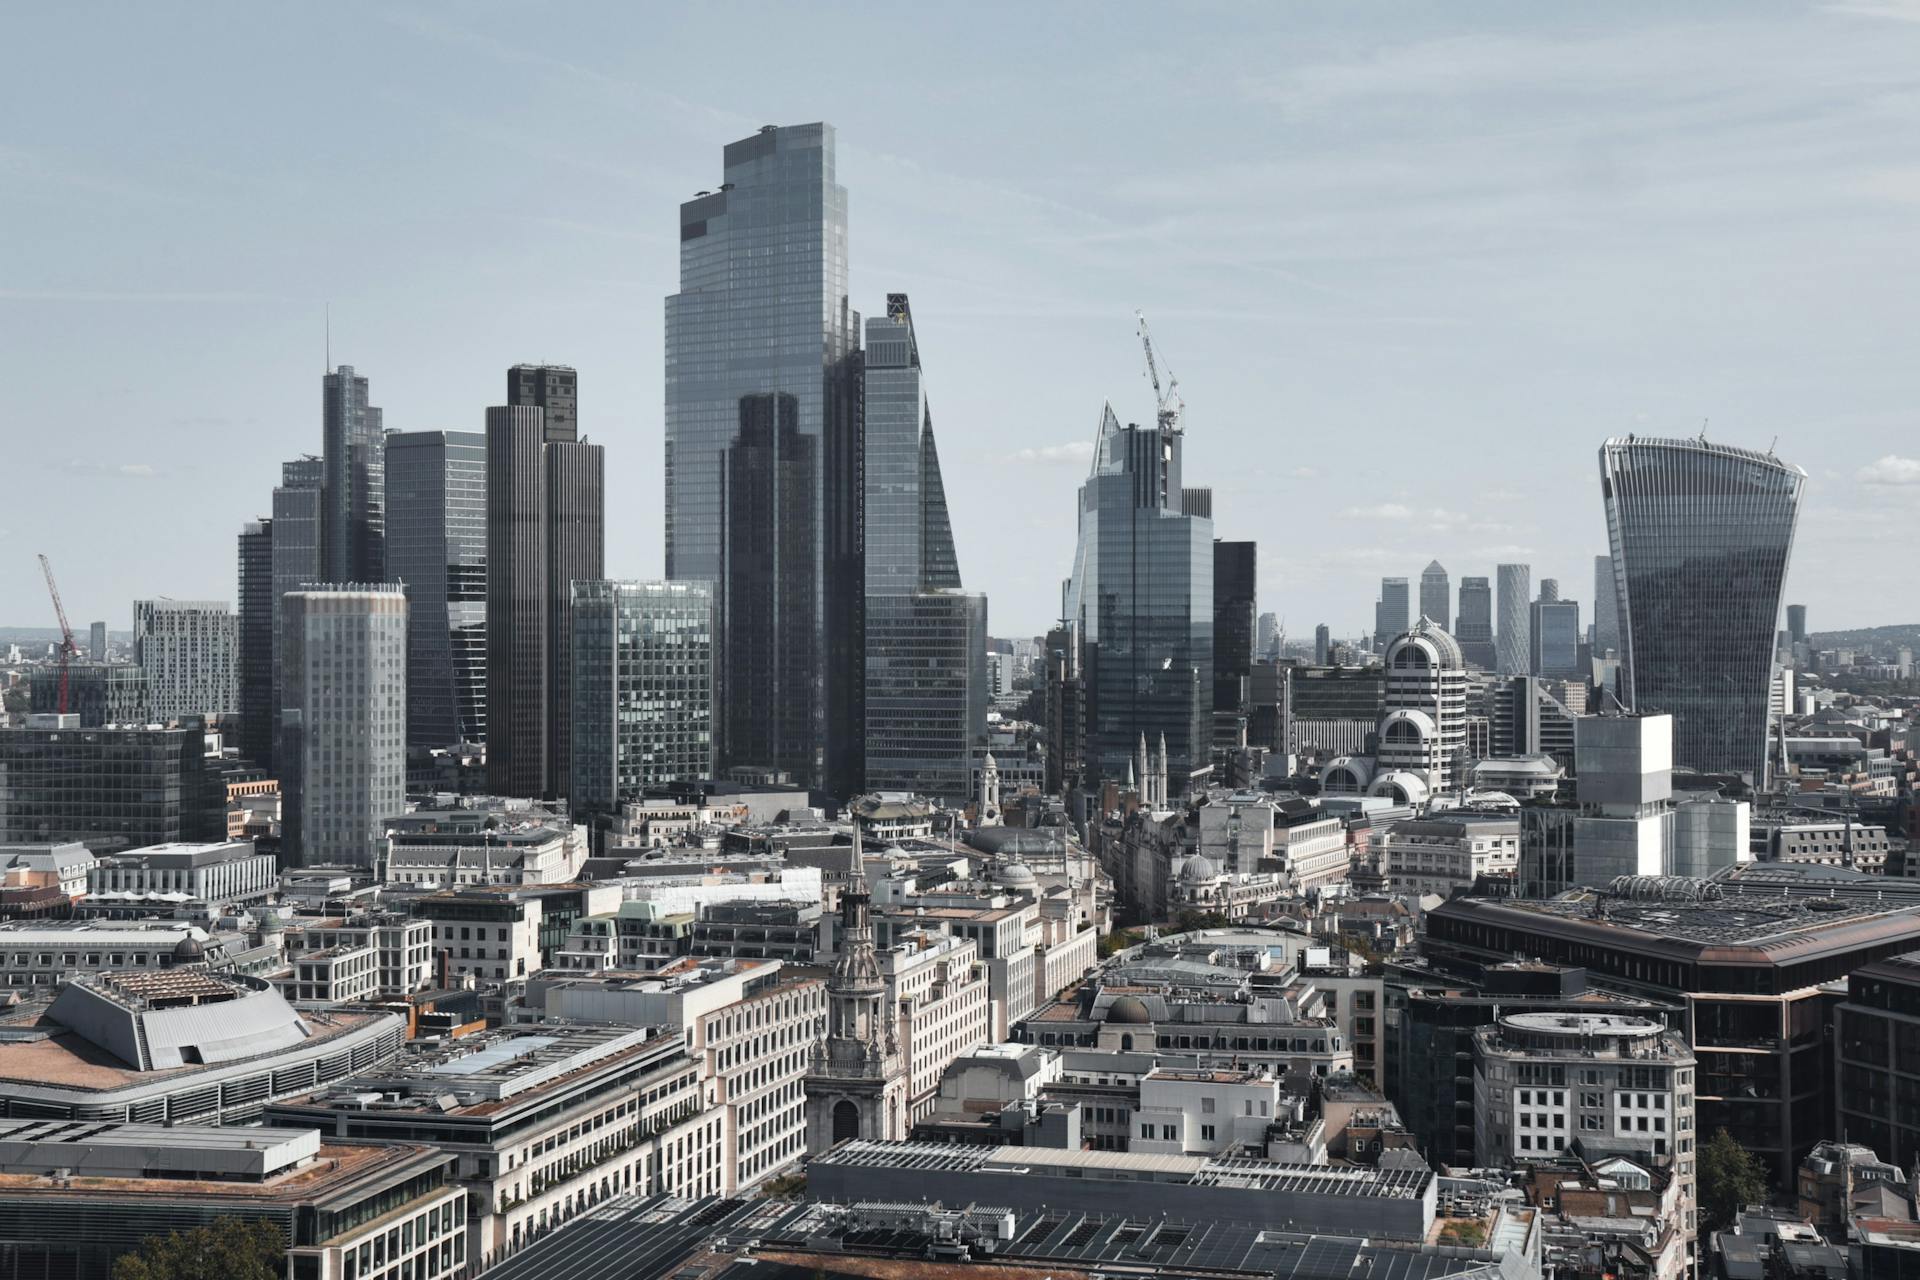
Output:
[[1703, 430]]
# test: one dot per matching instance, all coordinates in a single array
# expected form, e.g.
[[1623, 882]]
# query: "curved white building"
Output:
[[1423, 730]]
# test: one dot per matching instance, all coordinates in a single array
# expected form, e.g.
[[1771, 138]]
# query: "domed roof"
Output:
[[1345, 773], [1409, 788], [1433, 648], [1129, 1009], [1016, 875], [189, 949], [270, 922], [1420, 720], [1198, 870]]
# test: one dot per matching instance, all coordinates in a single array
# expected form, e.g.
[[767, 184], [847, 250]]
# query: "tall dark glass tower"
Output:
[[1474, 626], [353, 447], [299, 515], [1436, 595], [1235, 569], [1701, 534], [763, 453], [437, 549], [1392, 613], [546, 529], [926, 659], [257, 605], [1141, 599]]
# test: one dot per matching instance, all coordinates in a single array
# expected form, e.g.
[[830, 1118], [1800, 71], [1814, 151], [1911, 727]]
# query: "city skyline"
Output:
[[986, 241]]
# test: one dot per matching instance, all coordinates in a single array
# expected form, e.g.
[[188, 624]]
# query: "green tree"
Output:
[[225, 1249], [1731, 1177]]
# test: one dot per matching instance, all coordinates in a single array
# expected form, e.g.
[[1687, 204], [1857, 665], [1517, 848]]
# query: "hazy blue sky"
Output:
[[1412, 263]]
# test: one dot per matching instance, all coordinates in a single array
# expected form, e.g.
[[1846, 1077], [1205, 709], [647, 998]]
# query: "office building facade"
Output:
[[1268, 639], [1606, 609], [1513, 602], [546, 529], [1392, 612], [1322, 644], [343, 731], [1553, 632], [189, 651], [437, 550], [1474, 627], [642, 689], [1235, 572], [253, 684], [1436, 596], [100, 693], [1141, 597], [97, 641], [1797, 623], [299, 557], [763, 451], [926, 665], [1701, 534], [108, 788], [353, 451]]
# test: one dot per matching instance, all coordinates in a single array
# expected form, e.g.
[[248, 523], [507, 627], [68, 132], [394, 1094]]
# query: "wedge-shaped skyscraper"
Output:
[[926, 639], [1700, 536]]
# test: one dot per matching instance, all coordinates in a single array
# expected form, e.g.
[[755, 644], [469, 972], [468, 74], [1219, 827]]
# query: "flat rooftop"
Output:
[[1747, 920], [1131, 1166], [659, 1235]]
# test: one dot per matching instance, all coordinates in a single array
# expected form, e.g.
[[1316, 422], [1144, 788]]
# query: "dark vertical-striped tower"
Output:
[[546, 529]]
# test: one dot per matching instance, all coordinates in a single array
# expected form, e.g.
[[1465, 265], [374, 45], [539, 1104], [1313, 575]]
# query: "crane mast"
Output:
[[1167, 403], [68, 649]]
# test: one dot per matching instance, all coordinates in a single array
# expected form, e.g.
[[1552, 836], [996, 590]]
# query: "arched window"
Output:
[[846, 1121]]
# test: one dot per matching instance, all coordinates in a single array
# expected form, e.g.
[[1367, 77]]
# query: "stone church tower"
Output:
[[857, 1082]]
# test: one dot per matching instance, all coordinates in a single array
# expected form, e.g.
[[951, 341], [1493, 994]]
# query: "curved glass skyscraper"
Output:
[[1700, 536]]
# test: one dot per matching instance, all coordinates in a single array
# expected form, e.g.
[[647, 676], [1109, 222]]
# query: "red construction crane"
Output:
[[68, 649]]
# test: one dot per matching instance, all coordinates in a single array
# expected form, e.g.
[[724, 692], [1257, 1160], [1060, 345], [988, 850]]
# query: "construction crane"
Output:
[[68, 649], [1167, 402]]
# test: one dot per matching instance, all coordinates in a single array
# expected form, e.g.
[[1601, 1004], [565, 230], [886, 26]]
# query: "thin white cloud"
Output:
[[1890, 470], [1073, 451], [121, 295], [1380, 511], [130, 470]]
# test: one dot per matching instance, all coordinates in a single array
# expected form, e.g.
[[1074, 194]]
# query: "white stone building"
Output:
[[1610, 1083]]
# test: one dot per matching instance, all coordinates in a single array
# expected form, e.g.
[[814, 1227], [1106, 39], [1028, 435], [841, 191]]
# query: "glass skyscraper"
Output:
[[1513, 642], [926, 640], [354, 452], [1474, 626], [1606, 608], [257, 605], [1141, 599], [298, 559], [1700, 534], [642, 689], [1391, 613], [437, 549], [1235, 577], [762, 453], [1436, 596]]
